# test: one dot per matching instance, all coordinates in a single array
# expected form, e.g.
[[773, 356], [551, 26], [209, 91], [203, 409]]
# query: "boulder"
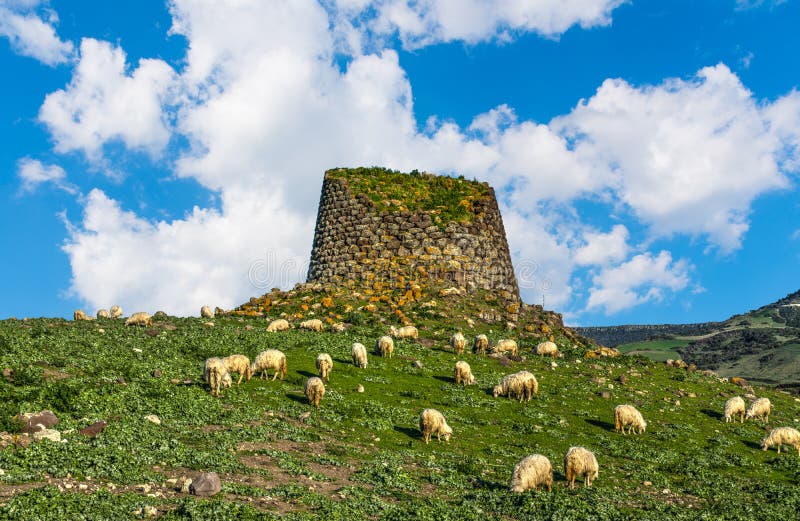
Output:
[[93, 429], [207, 484], [36, 421]]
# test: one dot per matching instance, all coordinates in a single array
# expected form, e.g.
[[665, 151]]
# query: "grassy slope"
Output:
[[657, 349], [362, 453]]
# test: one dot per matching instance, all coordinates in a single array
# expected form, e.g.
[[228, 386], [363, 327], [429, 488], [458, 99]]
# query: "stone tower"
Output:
[[377, 225]]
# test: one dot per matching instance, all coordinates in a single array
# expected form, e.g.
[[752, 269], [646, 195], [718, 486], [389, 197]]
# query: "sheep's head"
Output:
[[393, 330], [448, 431], [764, 444], [749, 414], [496, 391]]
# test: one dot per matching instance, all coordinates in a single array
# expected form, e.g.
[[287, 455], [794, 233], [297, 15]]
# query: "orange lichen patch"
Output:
[[371, 308], [327, 302]]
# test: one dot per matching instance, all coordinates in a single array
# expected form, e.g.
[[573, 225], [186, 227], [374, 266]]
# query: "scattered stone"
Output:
[[208, 324], [93, 429], [144, 488], [183, 484], [151, 332], [157, 373], [170, 327], [82, 486], [304, 416], [49, 434], [360, 388], [599, 380], [417, 364], [605, 394], [8, 374], [623, 379], [121, 381], [36, 421], [137, 350], [101, 331], [174, 381], [153, 418], [207, 484], [171, 482], [647, 484], [150, 511], [692, 395], [248, 327]]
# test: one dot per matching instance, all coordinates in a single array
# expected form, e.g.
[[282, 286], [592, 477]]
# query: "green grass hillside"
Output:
[[361, 455]]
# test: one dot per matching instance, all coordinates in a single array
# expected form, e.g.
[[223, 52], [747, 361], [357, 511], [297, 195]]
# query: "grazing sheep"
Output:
[[458, 342], [548, 349], [506, 345], [278, 325], [404, 332], [239, 364], [269, 359], [627, 416], [463, 373], [116, 311], [324, 366], [782, 436], [79, 315], [227, 381], [760, 409], [214, 373], [205, 312], [359, 353], [580, 462], [733, 407], [384, 346], [139, 318], [532, 473], [103, 313], [431, 422], [314, 391], [480, 345], [314, 324], [522, 386]]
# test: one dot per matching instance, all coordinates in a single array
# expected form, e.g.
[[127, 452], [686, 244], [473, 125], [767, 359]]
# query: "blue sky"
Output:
[[169, 155]]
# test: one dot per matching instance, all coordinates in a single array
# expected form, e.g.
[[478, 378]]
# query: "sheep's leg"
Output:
[[276, 375], [241, 375]]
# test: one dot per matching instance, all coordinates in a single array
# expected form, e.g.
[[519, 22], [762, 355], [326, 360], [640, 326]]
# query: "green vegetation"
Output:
[[656, 349], [445, 198], [361, 456]]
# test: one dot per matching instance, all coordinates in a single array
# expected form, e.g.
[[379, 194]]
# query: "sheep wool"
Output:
[[627, 416], [359, 353], [384, 346], [314, 324], [103, 313], [463, 373], [205, 312], [79, 314], [214, 373], [324, 366], [782, 436], [432, 422], [140, 318], [733, 407], [458, 342], [269, 359], [578, 462], [548, 349], [522, 386], [278, 325], [314, 391], [239, 364], [480, 345], [116, 311], [405, 332], [532, 473], [760, 409], [506, 346]]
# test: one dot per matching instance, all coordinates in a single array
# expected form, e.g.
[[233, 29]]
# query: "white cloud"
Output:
[[742, 5], [602, 248], [32, 36], [33, 173], [644, 278], [103, 103]]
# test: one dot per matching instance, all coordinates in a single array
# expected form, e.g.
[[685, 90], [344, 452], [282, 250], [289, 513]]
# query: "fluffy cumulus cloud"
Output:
[[33, 173], [30, 29], [265, 110]]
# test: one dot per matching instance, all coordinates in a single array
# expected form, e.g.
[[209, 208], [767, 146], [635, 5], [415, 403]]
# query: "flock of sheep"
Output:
[[533, 472]]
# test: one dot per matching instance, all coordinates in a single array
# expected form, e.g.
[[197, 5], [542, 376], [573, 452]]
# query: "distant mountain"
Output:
[[761, 345]]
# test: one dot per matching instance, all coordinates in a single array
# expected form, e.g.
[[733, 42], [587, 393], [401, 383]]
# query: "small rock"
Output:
[[174, 381], [35, 421], [68, 486], [553, 365], [153, 418], [121, 381], [304, 416], [150, 511], [207, 484], [144, 488], [417, 364], [101, 330], [611, 386], [157, 373], [248, 327], [50, 434], [623, 379], [208, 324], [605, 394], [677, 402], [692, 395], [183, 484], [93, 429], [647, 484], [171, 482], [360, 388], [137, 350], [82, 486]]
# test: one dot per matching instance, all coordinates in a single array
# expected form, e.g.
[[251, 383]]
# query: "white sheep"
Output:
[[140, 318], [627, 416], [463, 373], [384, 346], [238, 364], [205, 312], [734, 406], [79, 314], [522, 386], [782, 436], [269, 359], [116, 311], [214, 373], [548, 348], [278, 325], [404, 332], [531, 473], [458, 342], [103, 313], [506, 345], [359, 353], [431, 422], [760, 409], [314, 324], [314, 391], [580, 462], [480, 345], [324, 365]]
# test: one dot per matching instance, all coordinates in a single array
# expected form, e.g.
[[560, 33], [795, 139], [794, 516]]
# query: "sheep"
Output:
[[522, 385], [506, 345], [734, 406], [205, 312], [214, 373], [760, 409], [431, 422], [103, 313], [314, 324], [227, 381], [463, 373], [324, 366], [359, 353], [116, 311], [79, 314], [278, 325], [531, 473], [269, 359], [480, 345], [239, 364], [384, 346], [405, 332], [627, 416], [458, 342], [548, 349], [314, 391], [139, 318], [782, 436], [579, 461]]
